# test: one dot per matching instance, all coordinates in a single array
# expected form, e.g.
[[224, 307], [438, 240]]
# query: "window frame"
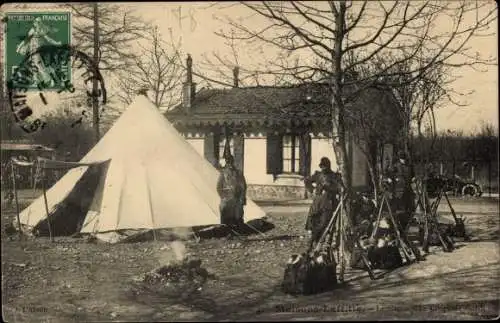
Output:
[[291, 165]]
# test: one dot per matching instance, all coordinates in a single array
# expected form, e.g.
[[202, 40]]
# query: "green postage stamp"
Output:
[[26, 33]]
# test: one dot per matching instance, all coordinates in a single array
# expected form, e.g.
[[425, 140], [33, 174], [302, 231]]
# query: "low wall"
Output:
[[275, 192]]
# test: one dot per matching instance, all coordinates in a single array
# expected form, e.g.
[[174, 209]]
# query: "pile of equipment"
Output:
[[431, 230], [382, 242], [376, 240], [307, 274], [314, 271]]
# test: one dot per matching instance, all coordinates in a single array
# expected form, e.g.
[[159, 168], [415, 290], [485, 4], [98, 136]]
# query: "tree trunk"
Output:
[[338, 123], [375, 181], [338, 108], [424, 159], [95, 82]]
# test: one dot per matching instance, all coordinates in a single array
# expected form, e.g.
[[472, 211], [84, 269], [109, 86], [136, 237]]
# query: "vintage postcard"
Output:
[[249, 161]]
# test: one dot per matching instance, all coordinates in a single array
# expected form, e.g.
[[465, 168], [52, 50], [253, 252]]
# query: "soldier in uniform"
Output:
[[403, 197], [325, 200], [231, 187]]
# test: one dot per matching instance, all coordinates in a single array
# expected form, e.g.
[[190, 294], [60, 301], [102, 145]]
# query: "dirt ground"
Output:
[[73, 280]]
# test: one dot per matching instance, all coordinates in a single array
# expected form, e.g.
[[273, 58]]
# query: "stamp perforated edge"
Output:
[[31, 11]]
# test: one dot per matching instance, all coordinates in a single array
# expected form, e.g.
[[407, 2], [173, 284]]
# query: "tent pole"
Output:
[[14, 188], [154, 234], [150, 207], [46, 206], [342, 242]]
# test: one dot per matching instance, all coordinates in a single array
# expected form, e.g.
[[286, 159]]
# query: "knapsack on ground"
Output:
[[305, 275], [387, 257]]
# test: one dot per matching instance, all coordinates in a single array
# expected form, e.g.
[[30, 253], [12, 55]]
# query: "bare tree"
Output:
[[419, 97], [106, 32], [157, 69], [71, 139], [375, 127], [218, 68], [413, 105], [119, 29], [325, 34]]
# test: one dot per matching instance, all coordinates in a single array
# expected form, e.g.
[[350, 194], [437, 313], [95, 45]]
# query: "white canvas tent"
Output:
[[145, 175]]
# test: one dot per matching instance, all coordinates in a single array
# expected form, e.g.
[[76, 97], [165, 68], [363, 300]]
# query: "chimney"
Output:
[[189, 64], [236, 72], [189, 88], [143, 91]]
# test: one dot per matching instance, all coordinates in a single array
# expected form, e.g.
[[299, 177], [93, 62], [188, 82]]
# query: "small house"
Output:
[[277, 134]]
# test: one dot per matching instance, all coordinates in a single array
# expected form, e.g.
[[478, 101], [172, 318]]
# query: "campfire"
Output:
[[179, 272], [176, 279], [178, 275]]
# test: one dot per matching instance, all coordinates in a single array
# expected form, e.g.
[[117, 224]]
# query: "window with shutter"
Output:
[[274, 153], [210, 148], [305, 154]]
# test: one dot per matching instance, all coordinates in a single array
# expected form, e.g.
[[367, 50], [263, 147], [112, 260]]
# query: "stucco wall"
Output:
[[322, 147], [263, 186], [255, 161]]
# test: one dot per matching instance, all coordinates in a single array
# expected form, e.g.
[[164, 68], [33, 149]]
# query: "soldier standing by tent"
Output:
[[231, 187], [325, 200]]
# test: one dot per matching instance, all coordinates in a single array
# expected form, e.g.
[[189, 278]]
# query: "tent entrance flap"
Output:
[[68, 216]]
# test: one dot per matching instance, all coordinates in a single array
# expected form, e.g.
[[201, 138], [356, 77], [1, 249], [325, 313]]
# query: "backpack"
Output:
[[387, 257], [306, 275]]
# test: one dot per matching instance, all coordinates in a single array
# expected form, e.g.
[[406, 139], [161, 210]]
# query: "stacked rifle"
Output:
[[338, 233], [428, 219], [339, 236]]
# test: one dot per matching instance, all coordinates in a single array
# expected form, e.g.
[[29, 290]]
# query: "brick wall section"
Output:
[[275, 192]]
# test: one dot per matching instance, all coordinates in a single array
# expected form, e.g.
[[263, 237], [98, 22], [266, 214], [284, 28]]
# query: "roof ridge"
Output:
[[288, 86]]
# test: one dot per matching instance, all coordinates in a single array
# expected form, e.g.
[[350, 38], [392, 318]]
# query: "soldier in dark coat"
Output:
[[325, 200], [231, 187], [403, 197]]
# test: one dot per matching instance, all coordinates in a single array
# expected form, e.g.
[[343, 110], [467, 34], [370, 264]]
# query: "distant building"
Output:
[[14, 148], [22, 150], [278, 134]]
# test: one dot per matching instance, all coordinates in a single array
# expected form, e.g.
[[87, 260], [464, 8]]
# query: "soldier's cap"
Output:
[[325, 162]]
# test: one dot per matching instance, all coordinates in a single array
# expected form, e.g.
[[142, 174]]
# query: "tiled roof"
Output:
[[309, 103], [272, 103]]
